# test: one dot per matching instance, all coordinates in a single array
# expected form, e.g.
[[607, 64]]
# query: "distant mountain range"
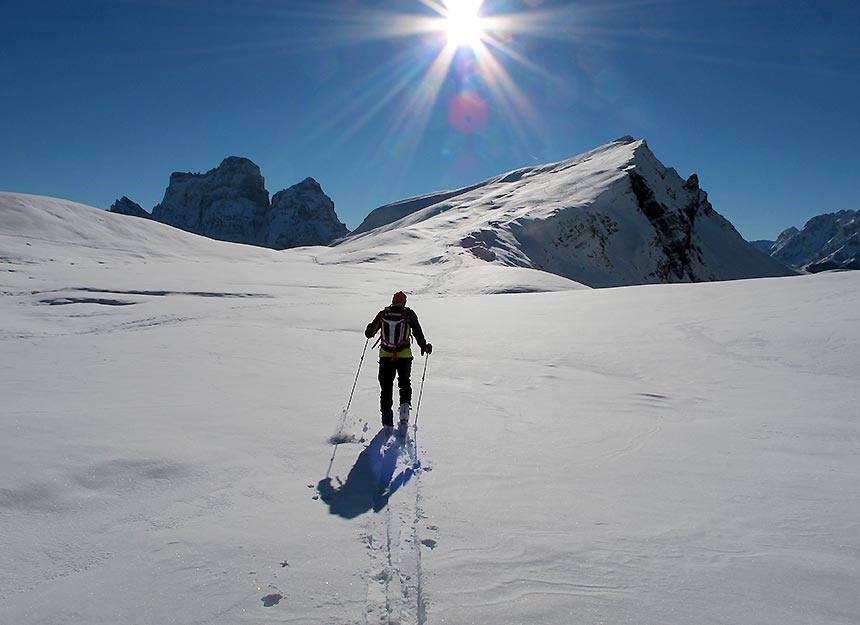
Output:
[[826, 242], [231, 203], [613, 216]]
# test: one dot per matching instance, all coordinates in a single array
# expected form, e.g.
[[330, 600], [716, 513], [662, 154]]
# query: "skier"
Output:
[[396, 325]]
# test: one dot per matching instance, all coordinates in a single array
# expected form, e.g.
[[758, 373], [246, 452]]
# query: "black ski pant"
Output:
[[388, 368]]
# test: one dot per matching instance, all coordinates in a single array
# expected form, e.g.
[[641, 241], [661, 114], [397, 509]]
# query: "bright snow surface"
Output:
[[678, 454]]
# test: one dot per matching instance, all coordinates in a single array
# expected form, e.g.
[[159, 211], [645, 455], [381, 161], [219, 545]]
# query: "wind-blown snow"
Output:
[[667, 454]]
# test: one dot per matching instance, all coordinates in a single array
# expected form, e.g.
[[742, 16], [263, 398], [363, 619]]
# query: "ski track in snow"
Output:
[[394, 580]]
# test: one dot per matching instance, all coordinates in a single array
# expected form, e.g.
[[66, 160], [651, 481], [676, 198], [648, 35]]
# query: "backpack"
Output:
[[395, 333]]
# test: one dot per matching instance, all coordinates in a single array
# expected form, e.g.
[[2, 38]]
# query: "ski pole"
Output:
[[352, 392], [421, 391], [343, 420]]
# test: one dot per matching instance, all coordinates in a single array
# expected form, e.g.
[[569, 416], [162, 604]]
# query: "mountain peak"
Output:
[[302, 215], [309, 183], [612, 216], [125, 206], [828, 241], [626, 139], [231, 203], [239, 162]]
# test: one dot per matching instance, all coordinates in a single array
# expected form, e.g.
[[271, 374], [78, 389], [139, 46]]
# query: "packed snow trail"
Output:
[[383, 483], [394, 588]]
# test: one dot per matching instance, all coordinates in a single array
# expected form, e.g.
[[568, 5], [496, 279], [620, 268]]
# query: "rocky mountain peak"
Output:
[[220, 204], [125, 206], [828, 241], [625, 140], [240, 171], [692, 183], [231, 203], [301, 215]]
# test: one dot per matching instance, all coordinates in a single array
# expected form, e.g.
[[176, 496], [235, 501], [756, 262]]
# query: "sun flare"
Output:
[[457, 65], [463, 24]]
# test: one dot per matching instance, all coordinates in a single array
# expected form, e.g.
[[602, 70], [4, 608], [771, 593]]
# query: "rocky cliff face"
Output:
[[301, 215], [125, 206], [224, 203], [231, 203], [673, 229], [829, 241]]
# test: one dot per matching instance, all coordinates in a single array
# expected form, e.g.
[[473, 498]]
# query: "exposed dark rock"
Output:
[[221, 204], [673, 229], [301, 215], [692, 183], [125, 206], [231, 203]]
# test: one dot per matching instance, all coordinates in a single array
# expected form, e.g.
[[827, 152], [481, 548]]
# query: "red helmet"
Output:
[[399, 299]]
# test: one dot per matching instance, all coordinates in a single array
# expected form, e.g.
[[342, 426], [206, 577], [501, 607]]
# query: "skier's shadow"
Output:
[[370, 482]]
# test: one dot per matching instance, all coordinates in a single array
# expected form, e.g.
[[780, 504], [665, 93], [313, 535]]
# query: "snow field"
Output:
[[652, 455]]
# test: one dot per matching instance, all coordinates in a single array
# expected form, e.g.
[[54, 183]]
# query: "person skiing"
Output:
[[396, 324]]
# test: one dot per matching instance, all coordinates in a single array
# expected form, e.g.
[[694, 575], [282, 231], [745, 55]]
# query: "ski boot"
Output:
[[404, 418]]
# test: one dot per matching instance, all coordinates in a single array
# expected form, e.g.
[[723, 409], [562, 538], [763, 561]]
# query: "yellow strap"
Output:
[[403, 353]]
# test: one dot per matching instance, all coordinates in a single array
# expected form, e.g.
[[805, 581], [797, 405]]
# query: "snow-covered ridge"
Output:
[[826, 242], [37, 230], [397, 210], [610, 217], [65, 227]]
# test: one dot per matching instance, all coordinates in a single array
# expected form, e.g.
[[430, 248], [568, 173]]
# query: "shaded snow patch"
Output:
[[272, 600], [63, 301]]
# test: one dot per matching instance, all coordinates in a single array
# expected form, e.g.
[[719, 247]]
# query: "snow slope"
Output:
[[668, 454], [613, 216], [826, 242]]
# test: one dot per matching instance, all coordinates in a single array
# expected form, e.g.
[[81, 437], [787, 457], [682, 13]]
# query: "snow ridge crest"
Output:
[[612, 216]]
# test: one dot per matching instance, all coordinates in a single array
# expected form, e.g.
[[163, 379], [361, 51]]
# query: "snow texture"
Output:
[[659, 455]]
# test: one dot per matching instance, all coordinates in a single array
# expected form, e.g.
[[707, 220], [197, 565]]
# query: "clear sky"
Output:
[[105, 98]]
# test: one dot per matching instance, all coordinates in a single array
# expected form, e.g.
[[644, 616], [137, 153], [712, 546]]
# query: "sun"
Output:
[[463, 23]]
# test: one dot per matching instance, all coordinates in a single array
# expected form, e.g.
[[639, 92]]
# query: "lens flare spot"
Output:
[[468, 112]]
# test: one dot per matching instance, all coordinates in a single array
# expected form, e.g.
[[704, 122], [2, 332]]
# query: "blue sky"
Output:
[[104, 98]]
